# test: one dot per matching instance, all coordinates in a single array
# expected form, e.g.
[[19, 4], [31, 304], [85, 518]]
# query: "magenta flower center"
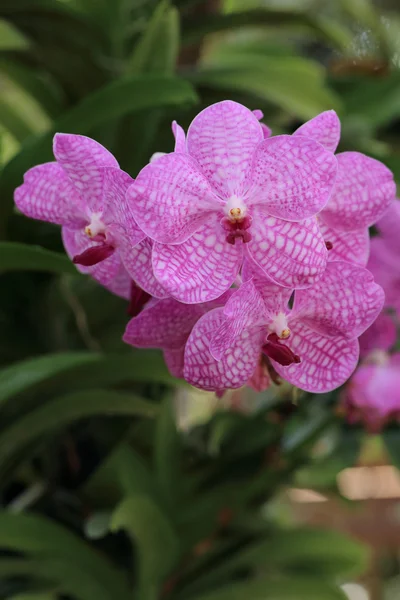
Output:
[[279, 352], [236, 221]]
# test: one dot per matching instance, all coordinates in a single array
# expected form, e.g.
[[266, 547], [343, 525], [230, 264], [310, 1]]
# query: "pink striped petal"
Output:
[[364, 190], [381, 335], [121, 283], [326, 363], [81, 157], [174, 359], [293, 255], [324, 128], [171, 199], [76, 242], [180, 138], [291, 177], [275, 297], [162, 324], [236, 366], [389, 225], [384, 264], [267, 132], [344, 302], [222, 139], [352, 246], [47, 194], [244, 309], [138, 261], [202, 268]]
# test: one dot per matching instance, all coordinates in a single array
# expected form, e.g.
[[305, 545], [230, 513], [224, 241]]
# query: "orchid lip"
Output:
[[93, 255], [279, 352]]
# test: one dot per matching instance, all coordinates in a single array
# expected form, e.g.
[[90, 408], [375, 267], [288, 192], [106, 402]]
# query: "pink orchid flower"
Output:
[[228, 192], [373, 393], [313, 345], [84, 192], [381, 335], [363, 191], [167, 323]]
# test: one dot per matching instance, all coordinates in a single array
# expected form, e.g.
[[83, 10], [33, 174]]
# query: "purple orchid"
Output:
[[227, 192], [313, 345], [381, 335], [84, 192], [363, 191], [373, 393]]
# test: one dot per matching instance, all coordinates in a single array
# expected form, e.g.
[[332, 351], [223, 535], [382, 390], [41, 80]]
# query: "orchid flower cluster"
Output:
[[373, 393], [243, 253]]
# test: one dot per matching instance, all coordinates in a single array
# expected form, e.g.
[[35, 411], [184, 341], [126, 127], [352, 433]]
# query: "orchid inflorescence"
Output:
[[243, 253]]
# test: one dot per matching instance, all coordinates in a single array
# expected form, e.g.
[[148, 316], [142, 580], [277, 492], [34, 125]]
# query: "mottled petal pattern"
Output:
[[138, 262], [201, 269], [162, 324], [389, 225], [364, 190], [293, 255], [236, 366], [81, 158], [47, 194], [222, 139], [344, 302], [326, 363], [180, 138], [324, 128], [292, 177], [275, 297], [171, 199], [352, 246]]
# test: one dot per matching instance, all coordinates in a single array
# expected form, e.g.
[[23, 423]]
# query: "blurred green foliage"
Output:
[[103, 498]]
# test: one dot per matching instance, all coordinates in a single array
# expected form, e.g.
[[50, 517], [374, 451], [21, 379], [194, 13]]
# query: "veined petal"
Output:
[[389, 225], [235, 367], [344, 302], [364, 190], [351, 246], [381, 335], [326, 363], [138, 261], [81, 158], [384, 264], [267, 132], [260, 380], [174, 359], [200, 269], [222, 139], [245, 308], [171, 199], [47, 194], [121, 283], [293, 255], [324, 128], [76, 242], [162, 324], [180, 138], [292, 177], [275, 297]]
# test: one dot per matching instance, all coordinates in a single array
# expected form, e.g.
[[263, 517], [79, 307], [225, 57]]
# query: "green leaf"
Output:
[[157, 49], [293, 83], [120, 98], [167, 452], [267, 589], [65, 410], [23, 257], [11, 38], [154, 537], [391, 438], [13, 121], [62, 556]]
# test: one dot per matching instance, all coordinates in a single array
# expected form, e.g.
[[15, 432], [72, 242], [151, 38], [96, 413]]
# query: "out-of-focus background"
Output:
[[115, 482]]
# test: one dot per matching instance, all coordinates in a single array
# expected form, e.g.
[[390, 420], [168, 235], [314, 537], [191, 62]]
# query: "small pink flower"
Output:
[[313, 345], [363, 191], [84, 192], [228, 192], [373, 393]]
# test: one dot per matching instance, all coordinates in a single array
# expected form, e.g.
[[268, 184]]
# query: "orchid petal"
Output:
[[389, 225], [47, 194], [138, 261], [291, 177], [174, 359], [180, 138], [364, 190], [275, 297], [351, 246], [293, 255], [171, 199], [235, 367], [200, 269], [380, 335], [326, 363], [81, 157], [324, 128], [344, 302], [222, 139]]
